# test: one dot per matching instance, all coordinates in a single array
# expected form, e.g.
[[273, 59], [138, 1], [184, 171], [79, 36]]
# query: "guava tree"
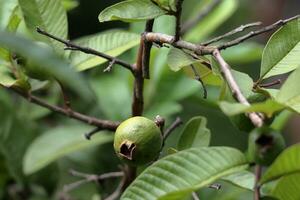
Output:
[[62, 101]]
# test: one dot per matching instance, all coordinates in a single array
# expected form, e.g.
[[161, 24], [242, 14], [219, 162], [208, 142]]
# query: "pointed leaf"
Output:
[[112, 43], [194, 134], [243, 179], [130, 11], [286, 163], [288, 188], [176, 176], [177, 59], [281, 55], [49, 15], [57, 143], [48, 62]]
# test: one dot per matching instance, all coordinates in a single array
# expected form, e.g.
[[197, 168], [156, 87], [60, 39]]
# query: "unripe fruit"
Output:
[[264, 145], [138, 141]]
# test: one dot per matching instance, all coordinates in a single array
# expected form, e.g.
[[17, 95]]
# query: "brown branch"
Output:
[[195, 196], [258, 172], [103, 124], [236, 92], [87, 178], [191, 23], [160, 38], [266, 85], [230, 33], [178, 19], [138, 99], [198, 78], [87, 50], [257, 32], [147, 50], [172, 127]]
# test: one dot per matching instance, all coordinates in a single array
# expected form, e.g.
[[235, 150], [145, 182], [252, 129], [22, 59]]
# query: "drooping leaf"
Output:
[[176, 176], [286, 163], [48, 62], [177, 59], [57, 143], [50, 16], [215, 18], [288, 188], [194, 134], [281, 55], [268, 107], [112, 43], [130, 11], [243, 179]]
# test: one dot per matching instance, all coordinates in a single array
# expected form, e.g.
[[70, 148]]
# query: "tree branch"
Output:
[[258, 171], [72, 46], [257, 32], [147, 50], [198, 78], [230, 33], [178, 19], [103, 124], [172, 127], [201, 50], [191, 23], [236, 92]]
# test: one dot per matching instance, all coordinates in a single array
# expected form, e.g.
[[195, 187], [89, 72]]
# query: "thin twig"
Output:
[[236, 92], [87, 50], [257, 32], [178, 19], [258, 171], [92, 132], [172, 127], [103, 124], [87, 178], [161, 39], [110, 66], [147, 50], [198, 78], [191, 23], [195, 196], [230, 33], [266, 85]]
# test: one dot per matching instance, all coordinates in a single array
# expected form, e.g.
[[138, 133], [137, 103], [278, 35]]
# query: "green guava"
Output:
[[138, 141], [264, 145]]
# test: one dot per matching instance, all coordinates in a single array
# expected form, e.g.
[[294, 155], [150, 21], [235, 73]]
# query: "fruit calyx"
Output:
[[127, 149]]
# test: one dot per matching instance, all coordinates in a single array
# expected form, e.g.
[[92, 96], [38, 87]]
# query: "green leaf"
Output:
[[212, 21], [113, 43], [57, 143], [243, 179], [177, 59], [130, 11], [289, 93], [281, 54], [194, 134], [176, 176], [50, 16], [169, 5], [48, 62], [286, 163], [288, 188], [268, 107], [243, 53]]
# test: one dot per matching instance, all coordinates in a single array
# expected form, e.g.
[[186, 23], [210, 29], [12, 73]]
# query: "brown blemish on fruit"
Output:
[[127, 149]]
